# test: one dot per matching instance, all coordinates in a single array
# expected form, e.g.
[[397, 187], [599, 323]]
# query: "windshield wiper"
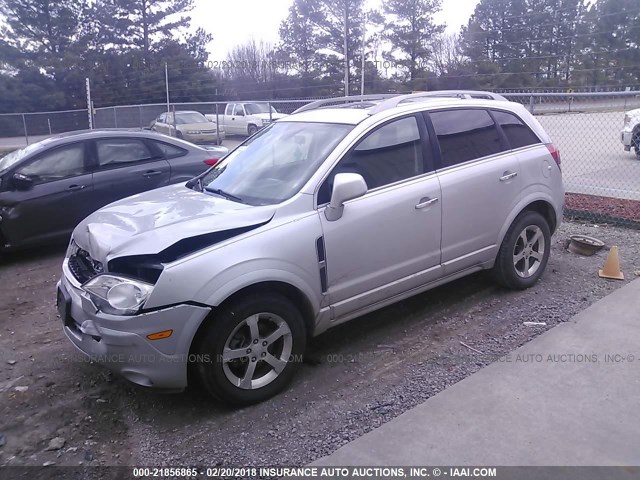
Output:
[[224, 194]]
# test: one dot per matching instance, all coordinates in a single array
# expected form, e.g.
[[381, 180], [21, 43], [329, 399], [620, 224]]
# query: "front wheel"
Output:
[[252, 130], [636, 145], [524, 252], [251, 349]]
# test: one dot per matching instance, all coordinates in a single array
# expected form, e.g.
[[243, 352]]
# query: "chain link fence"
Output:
[[597, 133], [598, 146], [20, 129]]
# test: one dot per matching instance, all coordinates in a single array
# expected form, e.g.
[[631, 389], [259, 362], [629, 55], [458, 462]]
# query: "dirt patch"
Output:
[[357, 377], [603, 209]]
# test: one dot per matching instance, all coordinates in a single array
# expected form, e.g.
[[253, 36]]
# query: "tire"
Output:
[[252, 130], [226, 347], [520, 264], [636, 144], [179, 135]]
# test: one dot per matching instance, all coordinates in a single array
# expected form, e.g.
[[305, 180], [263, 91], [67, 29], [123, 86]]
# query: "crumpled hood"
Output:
[[152, 221]]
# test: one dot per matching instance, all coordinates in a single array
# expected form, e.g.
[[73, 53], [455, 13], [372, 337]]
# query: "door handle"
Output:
[[151, 173], [425, 202], [74, 188], [508, 176]]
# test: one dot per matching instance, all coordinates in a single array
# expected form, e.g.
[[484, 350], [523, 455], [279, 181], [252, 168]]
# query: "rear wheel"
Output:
[[524, 252], [250, 351]]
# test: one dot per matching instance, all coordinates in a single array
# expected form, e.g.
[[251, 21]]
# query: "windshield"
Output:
[[193, 117], [255, 108], [274, 164], [14, 157]]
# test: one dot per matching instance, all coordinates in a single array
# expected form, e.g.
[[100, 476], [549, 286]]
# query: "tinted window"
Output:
[[518, 134], [60, 163], [389, 154], [170, 151], [465, 135], [114, 151]]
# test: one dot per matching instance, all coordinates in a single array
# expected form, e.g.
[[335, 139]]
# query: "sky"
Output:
[[238, 21]]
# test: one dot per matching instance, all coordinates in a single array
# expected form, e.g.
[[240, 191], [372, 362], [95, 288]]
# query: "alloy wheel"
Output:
[[257, 351], [529, 251]]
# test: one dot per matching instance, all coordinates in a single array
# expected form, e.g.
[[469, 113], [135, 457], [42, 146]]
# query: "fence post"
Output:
[[115, 117], [140, 116], [270, 114], [89, 104], [531, 103], [217, 126], [24, 124]]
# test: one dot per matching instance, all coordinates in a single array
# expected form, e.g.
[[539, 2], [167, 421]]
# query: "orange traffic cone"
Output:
[[611, 267]]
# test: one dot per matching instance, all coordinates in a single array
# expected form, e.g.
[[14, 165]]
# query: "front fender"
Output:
[[231, 281]]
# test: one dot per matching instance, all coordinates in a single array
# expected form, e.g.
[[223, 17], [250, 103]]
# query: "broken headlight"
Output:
[[117, 295]]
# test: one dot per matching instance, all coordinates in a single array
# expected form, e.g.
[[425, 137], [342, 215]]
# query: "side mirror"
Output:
[[346, 186], [21, 182]]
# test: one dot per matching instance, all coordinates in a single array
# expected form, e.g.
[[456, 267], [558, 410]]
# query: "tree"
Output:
[[142, 23], [411, 31], [299, 42]]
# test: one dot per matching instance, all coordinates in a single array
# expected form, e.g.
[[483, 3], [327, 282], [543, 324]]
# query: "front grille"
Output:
[[83, 267], [208, 131]]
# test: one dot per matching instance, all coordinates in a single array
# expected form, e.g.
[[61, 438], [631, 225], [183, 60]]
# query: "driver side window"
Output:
[[391, 153], [64, 162]]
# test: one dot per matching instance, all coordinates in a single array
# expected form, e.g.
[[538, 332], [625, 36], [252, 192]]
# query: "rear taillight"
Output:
[[555, 153], [212, 161]]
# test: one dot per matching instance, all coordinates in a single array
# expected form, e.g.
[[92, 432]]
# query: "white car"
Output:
[[630, 135]]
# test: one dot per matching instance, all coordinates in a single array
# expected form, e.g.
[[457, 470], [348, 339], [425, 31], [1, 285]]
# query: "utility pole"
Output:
[[89, 103], [166, 82], [364, 30], [346, 51]]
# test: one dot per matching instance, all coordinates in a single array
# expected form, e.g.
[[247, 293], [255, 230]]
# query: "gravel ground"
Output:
[[356, 376]]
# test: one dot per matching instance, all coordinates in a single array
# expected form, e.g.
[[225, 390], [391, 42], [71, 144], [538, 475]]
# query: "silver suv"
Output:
[[328, 214]]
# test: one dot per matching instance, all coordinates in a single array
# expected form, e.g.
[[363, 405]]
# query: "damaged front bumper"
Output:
[[121, 343]]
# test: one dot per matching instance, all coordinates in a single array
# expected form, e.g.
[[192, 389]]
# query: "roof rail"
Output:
[[398, 99], [345, 100]]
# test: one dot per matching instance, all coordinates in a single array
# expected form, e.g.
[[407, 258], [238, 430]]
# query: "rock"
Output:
[[56, 444], [88, 455], [23, 388], [12, 362], [101, 400], [3, 440], [48, 464]]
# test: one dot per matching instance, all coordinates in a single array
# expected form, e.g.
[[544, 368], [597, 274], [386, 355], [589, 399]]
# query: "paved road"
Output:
[[569, 397], [593, 159]]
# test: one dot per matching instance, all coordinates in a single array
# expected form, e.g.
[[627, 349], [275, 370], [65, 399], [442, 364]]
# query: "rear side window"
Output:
[[115, 151], [518, 134], [465, 135], [170, 151]]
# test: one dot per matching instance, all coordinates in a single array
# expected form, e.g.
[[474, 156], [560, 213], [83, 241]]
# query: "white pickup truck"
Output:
[[246, 118]]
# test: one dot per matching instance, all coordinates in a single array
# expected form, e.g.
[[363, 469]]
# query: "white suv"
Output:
[[630, 135], [321, 217]]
